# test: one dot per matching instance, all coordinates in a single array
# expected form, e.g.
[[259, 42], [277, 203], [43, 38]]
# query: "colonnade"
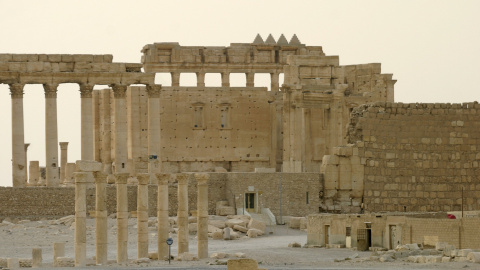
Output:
[[53, 178], [250, 78], [82, 179]]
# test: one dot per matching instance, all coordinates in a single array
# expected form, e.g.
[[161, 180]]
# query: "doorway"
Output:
[[250, 202]]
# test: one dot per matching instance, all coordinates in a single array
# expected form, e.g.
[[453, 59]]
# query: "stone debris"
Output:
[[253, 233], [65, 262], [256, 224], [294, 245], [294, 223], [218, 255], [142, 260], [232, 222], [186, 257], [217, 223], [240, 228]]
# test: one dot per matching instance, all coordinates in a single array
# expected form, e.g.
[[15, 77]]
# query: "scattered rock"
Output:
[[142, 260], [253, 233], [256, 224], [294, 245], [240, 228], [186, 257], [386, 258], [226, 233], [232, 222], [65, 262], [239, 255], [216, 235], [212, 229], [294, 223], [234, 235], [218, 255], [217, 223]]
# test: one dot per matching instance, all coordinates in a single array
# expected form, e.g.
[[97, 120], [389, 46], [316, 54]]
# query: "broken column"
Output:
[[36, 257], [81, 179], [63, 160], [34, 173], [162, 214], [122, 217], [58, 251], [51, 135], [142, 215], [202, 215], [101, 222], [69, 170], [18, 139], [182, 213]]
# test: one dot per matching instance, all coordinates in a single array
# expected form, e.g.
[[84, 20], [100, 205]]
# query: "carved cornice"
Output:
[[153, 91], [119, 90], [86, 90], [50, 90], [16, 90]]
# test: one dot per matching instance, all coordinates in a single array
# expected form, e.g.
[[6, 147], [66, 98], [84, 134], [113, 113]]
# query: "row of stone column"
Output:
[[19, 162], [82, 179], [250, 76]]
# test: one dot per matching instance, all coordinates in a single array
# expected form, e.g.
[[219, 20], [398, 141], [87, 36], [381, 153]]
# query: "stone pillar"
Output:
[[51, 135], [154, 130], [87, 121], [202, 215], [162, 214], [69, 170], [58, 251], [13, 263], [36, 257], [26, 162], [101, 222], [122, 217], [120, 150], [225, 79], [200, 79], [250, 79], [175, 78], [142, 215], [63, 160], [274, 81], [18, 136], [182, 213], [81, 181], [34, 173]]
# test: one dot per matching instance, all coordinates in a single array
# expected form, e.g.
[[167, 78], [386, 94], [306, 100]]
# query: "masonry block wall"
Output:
[[418, 157]]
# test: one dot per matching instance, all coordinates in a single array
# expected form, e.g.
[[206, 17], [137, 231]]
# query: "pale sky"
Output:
[[431, 47]]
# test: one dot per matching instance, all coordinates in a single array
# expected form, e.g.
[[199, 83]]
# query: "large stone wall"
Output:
[[47, 202]]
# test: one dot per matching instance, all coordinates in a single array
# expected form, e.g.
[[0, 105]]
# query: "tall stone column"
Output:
[[26, 162], [18, 136], [162, 214], [142, 215], [51, 135], [182, 212], [87, 121], [101, 223], [120, 151], [202, 215], [154, 130], [63, 160], [225, 79], [175, 78], [122, 217], [81, 181], [200, 79], [250, 79], [274, 81]]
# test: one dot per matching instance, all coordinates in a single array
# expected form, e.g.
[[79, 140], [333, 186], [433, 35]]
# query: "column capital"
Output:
[[100, 177], [202, 178], [143, 178], [86, 90], [182, 178], [121, 178], [81, 177], [50, 90], [16, 90], [153, 91], [26, 146], [63, 145], [164, 178], [119, 90]]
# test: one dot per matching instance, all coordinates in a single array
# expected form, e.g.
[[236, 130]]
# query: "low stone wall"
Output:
[[47, 202]]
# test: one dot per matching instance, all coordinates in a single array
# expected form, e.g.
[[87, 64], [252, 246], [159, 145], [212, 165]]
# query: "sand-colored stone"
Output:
[[37, 258], [182, 213], [202, 215], [58, 251], [162, 215], [81, 181], [101, 223], [142, 215], [63, 159], [122, 217]]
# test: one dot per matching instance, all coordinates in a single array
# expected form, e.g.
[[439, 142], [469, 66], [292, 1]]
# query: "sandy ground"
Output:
[[270, 250]]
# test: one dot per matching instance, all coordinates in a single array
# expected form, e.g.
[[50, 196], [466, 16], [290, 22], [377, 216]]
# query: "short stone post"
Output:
[[101, 222], [182, 213], [13, 263], [122, 217], [202, 214], [142, 215], [36, 257], [34, 173], [58, 251], [81, 179], [162, 214]]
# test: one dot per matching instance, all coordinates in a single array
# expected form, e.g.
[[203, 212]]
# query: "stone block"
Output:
[[232, 222], [240, 228], [256, 224], [433, 259], [218, 255], [264, 170], [186, 257], [474, 257], [217, 223], [216, 235], [253, 233], [88, 166], [294, 223], [242, 264], [226, 210], [13, 263], [464, 252], [446, 259]]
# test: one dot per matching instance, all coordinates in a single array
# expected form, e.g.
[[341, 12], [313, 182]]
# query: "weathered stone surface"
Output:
[[218, 255], [242, 264], [217, 223], [186, 257], [232, 222], [240, 228], [256, 224], [253, 233]]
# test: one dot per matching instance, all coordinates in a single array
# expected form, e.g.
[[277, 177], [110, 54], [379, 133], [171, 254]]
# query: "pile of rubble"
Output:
[[442, 253]]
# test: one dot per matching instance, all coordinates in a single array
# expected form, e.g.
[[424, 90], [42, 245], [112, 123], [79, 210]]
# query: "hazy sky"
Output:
[[431, 47]]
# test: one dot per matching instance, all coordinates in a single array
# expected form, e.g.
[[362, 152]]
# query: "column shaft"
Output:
[[154, 130], [80, 218], [162, 215], [274, 79], [87, 121], [51, 135], [101, 223], [202, 215], [18, 136], [121, 135], [142, 215], [63, 160], [182, 213], [122, 218]]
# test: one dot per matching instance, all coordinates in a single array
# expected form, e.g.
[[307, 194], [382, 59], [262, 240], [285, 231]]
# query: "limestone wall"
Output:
[[47, 202]]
